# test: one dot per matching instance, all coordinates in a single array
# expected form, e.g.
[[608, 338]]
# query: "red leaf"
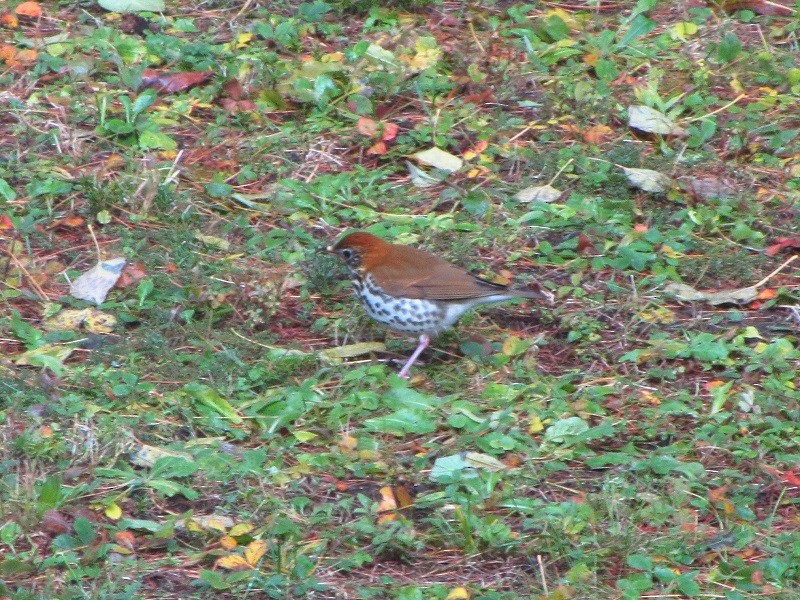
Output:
[[378, 148], [390, 131], [173, 82], [781, 244]]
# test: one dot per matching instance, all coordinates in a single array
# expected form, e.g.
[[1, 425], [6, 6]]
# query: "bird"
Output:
[[413, 291]]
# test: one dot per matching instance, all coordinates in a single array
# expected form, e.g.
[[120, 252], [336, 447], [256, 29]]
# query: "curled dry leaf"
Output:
[[648, 180], [686, 293], [439, 159], [538, 193], [650, 120], [781, 244]]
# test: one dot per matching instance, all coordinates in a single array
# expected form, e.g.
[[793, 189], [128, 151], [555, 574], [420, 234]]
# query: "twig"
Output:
[[775, 272]]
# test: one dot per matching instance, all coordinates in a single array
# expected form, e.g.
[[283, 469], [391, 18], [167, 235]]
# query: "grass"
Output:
[[202, 436]]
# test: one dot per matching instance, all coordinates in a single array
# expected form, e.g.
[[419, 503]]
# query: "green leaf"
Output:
[[209, 397], [637, 561], [402, 422], [84, 529], [729, 48], [7, 193], [156, 139], [49, 493]]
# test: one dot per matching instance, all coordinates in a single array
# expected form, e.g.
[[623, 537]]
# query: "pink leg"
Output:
[[424, 340]]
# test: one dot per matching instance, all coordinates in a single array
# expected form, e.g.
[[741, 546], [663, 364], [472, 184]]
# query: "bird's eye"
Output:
[[347, 253]]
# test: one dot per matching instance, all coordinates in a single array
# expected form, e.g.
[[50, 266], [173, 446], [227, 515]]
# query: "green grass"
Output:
[[617, 444]]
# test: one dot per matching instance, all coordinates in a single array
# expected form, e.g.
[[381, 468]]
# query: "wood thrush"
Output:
[[412, 291]]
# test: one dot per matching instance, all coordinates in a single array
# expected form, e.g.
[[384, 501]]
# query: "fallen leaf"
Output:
[[709, 188], [351, 350], [390, 131], [387, 506], [781, 244], [648, 180], [421, 178], [650, 120], [378, 149], [366, 126], [687, 293], [29, 9], [9, 21], [91, 319], [233, 562], [94, 285], [538, 193], [125, 6], [254, 551], [598, 134], [171, 83], [439, 159], [767, 8]]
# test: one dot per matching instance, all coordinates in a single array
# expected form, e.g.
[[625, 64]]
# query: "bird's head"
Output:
[[360, 249]]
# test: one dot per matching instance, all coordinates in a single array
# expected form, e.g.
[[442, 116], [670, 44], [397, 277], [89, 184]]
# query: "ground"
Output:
[[226, 421]]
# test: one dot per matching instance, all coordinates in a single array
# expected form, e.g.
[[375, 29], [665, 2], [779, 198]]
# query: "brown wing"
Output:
[[412, 273]]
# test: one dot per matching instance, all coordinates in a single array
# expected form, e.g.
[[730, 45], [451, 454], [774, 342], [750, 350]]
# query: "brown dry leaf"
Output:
[[767, 8], [598, 134], [131, 274], [55, 523], [233, 89], [781, 244], [29, 9], [173, 82]]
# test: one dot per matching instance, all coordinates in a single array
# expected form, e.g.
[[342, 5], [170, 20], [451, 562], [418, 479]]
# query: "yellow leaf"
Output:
[[240, 529], [536, 425], [459, 593], [243, 39], [226, 542], [254, 551], [233, 562], [113, 511], [387, 505]]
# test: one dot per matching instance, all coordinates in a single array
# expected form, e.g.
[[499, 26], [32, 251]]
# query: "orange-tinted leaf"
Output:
[[126, 539], [598, 134], [378, 148], [9, 21], [29, 9], [790, 478], [403, 496], [718, 496], [27, 56], [767, 294], [226, 542], [590, 59], [366, 126], [584, 244], [7, 53], [387, 505], [781, 244], [713, 384], [390, 131], [5, 223]]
